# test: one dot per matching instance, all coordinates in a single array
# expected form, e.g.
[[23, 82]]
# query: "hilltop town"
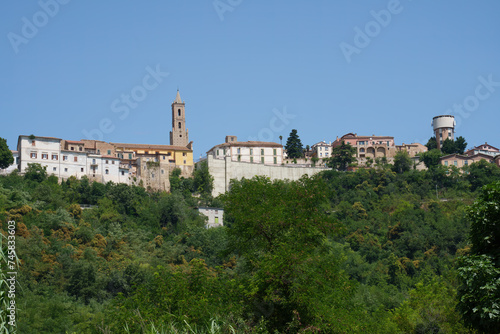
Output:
[[150, 165]]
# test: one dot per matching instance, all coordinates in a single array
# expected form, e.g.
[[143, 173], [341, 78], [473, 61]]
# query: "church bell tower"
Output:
[[179, 133]]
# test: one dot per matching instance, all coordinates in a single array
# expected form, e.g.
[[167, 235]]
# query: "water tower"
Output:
[[444, 127]]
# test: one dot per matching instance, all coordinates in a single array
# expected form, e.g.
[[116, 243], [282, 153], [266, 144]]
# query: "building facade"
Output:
[[257, 152], [215, 216]]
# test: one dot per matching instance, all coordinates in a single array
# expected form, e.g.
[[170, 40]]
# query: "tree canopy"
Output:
[[479, 294], [342, 156], [293, 146], [6, 158]]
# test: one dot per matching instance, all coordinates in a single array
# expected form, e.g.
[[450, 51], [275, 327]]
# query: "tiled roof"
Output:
[[247, 144], [151, 147]]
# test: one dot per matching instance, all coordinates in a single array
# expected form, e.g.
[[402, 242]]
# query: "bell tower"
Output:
[[179, 133]]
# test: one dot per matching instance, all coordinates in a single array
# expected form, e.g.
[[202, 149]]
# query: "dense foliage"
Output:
[[344, 252], [293, 146], [479, 271], [6, 158]]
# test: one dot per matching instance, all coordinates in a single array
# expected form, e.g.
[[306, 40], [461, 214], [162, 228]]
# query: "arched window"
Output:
[[179, 112], [179, 125], [361, 150]]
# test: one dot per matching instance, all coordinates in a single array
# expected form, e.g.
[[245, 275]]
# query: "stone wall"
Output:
[[224, 170]]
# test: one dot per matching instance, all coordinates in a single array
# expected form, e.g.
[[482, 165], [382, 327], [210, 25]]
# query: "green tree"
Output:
[[280, 231], [203, 181], [293, 146], [6, 158], [479, 293], [460, 145], [431, 158], [431, 143], [342, 156], [36, 172], [402, 162], [448, 146]]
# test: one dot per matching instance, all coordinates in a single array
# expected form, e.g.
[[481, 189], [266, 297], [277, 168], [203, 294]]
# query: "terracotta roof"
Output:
[[40, 137], [110, 157], [247, 144], [151, 147], [74, 142]]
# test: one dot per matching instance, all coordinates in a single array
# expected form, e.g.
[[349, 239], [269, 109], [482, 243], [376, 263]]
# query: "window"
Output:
[[112, 162], [162, 171], [321, 154], [261, 151], [54, 169], [123, 172], [163, 157], [72, 148], [109, 152], [184, 162], [275, 160], [326, 154], [361, 150], [251, 159], [178, 112], [98, 151], [54, 157], [274, 151], [262, 159], [184, 154], [238, 150], [33, 155], [179, 125], [65, 170], [80, 149], [251, 151], [239, 157], [32, 143], [446, 163], [45, 156], [147, 152], [455, 163], [107, 162], [65, 158], [75, 159], [217, 152], [216, 220], [93, 161], [107, 171], [130, 155], [81, 169], [466, 162]]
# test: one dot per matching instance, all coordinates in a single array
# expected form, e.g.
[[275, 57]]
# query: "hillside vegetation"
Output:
[[371, 251]]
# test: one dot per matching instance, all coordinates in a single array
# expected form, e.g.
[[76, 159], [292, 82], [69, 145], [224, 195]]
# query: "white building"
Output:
[[45, 151], [258, 152], [215, 216], [66, 158], [322, 149]]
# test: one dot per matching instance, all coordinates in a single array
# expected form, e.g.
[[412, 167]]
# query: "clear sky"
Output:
[[251, 68]]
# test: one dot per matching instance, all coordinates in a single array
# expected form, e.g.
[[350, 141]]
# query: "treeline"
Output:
[[343, 252]]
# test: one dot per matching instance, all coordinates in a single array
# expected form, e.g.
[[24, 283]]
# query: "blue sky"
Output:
[[254, 69]]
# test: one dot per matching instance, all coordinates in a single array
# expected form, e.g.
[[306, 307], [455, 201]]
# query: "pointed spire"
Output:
[[178, 97]]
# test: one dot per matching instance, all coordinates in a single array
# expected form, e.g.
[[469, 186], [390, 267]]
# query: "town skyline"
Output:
[[324, 69]]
